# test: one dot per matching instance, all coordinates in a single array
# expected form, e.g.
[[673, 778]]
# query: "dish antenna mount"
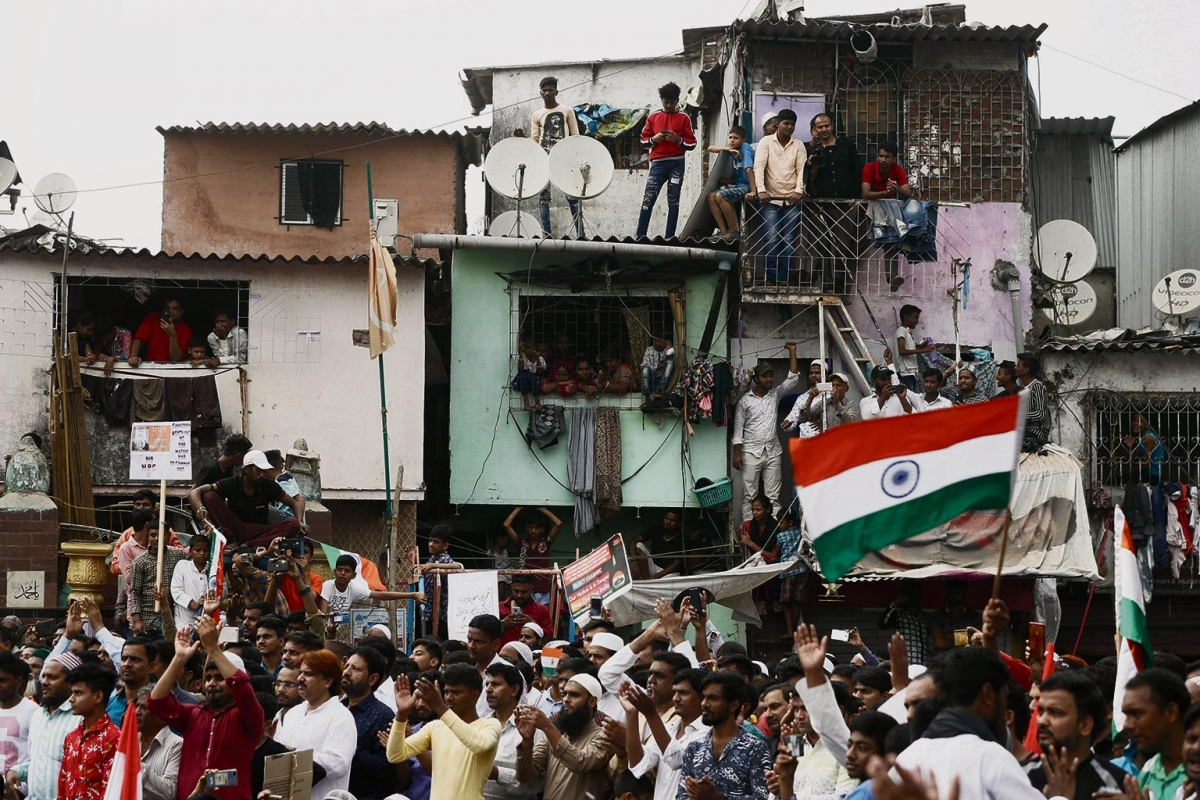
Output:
[[581, 168], [517, 168]]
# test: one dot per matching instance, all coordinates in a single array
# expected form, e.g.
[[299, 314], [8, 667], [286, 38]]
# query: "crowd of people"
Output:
[[674, 713], [565, 372]]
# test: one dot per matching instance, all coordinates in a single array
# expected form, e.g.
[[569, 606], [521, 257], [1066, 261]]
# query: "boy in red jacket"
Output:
[[668, 134]]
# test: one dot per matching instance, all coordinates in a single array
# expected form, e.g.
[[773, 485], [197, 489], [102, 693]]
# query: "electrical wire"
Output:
[[1118, 74], [491, 447]]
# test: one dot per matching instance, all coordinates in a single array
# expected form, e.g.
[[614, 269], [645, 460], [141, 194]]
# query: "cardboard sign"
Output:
[[289, 775], [160, 451], [603, 572], [470, 594]]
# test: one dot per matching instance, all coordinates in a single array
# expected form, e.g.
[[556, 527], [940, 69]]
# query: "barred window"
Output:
[[1144, 437]]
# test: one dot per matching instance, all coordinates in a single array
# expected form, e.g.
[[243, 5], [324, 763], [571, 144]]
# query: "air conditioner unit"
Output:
[[387, 222]]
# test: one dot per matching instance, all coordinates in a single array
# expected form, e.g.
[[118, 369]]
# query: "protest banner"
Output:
[[162, 451], [470, 594], [602, 573]]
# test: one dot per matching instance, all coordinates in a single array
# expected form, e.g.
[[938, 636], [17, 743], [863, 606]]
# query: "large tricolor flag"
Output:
[[1134, 654], [866, 485], [125, 777], [367, 569]]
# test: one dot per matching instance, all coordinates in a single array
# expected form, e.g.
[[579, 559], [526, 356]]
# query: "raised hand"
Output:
[[666, 615], [430, 693], [405, 701], [810, 648], [856, 641], [1060, 770], [185, 648], [212, 602], [615, 733], [526, 722], [206, 629], [637, 699], [898, 655]]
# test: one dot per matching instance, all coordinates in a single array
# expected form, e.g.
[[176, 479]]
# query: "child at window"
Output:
[[793, 582], [565, 384], [735, 189], [531, 368], [535, 546], [668, 134], [198, 353], [658, 365]]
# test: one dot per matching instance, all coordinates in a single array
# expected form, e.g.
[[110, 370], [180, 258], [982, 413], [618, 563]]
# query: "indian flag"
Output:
[[367, 570], [125, 775], [1134, 654], [216, 561], [867, 485]]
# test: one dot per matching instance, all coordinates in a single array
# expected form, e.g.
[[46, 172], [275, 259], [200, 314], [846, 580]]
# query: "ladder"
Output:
[[835, 319]]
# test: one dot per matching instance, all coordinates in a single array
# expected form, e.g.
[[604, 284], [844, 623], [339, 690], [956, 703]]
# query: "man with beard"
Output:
[[462, 744], [728, 762], [287, 691], [573, 753], [136, 656], [47, 732], [221, 733], [1154, 704], [503, 690], [371, 776], [776, 700], [1069, 711], [668, 741]]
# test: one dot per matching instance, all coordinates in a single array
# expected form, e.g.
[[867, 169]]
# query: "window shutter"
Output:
[[291, 210]]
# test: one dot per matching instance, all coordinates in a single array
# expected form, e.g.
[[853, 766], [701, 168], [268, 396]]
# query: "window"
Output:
[[627, 150], [569, 328], [1121, 429], [310, 193]]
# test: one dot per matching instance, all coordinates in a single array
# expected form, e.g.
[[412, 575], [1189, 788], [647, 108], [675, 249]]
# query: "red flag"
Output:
[[125, 778]]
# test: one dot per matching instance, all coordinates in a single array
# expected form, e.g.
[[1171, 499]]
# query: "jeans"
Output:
[[670, 172], [780, 227], [657, 383], [544, 202]]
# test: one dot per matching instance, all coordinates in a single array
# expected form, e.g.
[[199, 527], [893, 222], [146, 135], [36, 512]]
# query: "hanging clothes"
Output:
[[546, 424], [722, 386], [149, 403], [115, 397], [1179, 526], [581, 467], [608, 461], [1138, 512], [195, 400], [697, 384]]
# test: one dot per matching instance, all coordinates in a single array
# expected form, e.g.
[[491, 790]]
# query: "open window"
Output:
[[310, 193]]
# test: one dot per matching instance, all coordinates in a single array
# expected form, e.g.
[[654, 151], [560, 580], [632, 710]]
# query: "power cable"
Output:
[[1118, 74]]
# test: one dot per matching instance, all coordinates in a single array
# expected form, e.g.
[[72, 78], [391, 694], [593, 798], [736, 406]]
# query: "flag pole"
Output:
[[1003, 550], [383, 413]]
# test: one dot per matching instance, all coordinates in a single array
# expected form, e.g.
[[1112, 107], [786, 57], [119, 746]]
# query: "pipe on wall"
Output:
[[439, 241]]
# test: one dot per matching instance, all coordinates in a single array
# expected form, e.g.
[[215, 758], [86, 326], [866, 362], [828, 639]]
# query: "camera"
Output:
[[293, 546]]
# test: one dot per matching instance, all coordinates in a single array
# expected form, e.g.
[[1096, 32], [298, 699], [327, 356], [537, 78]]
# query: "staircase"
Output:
[[835, 321]]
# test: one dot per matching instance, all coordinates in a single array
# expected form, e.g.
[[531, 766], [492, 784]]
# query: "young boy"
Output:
[[189, 582], [550, 125], [720, 202], [348, 588], [535, 547], [668, 134], [89, 749], [439, 555], [658, 364], [531, 369], [198, 353], [907, 346]]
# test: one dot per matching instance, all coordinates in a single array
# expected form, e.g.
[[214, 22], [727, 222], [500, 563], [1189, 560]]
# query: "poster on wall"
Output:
[[469, 594], [160, 451], [363, 618], [602, 573]]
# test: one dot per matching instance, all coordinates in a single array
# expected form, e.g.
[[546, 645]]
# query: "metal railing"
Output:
[[1142, 437], [831, 246]]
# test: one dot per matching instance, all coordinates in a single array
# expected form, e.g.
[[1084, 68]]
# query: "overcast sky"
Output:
[[86, 83]]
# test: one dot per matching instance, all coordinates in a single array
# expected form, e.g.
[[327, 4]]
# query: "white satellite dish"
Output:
[[1178, 293], [517, 224], [8, 174], [1065, 251], [54, 193], [517, 168], [1074, 303], [44, 218], [580, 167]]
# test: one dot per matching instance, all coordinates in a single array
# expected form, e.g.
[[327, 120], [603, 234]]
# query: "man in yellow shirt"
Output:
[[462, 744]]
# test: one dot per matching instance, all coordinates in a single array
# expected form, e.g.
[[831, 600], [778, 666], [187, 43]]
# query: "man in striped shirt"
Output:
[[47, 732]]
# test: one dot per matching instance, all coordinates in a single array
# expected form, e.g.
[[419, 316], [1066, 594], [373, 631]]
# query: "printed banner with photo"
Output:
[[602, 573], [160, 451]]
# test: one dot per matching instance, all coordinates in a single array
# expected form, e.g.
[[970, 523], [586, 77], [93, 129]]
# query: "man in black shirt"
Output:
[[836, 230], [238, 506], [665, 545], [236, 447]]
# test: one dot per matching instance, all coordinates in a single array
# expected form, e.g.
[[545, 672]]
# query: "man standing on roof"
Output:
[[550, 125]]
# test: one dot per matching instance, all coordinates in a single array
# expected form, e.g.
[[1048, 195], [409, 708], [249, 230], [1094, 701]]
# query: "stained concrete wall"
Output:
[[318, 386], [238, 212]]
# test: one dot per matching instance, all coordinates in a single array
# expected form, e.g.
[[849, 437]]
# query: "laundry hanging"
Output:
[[581, 467], [608, 461]]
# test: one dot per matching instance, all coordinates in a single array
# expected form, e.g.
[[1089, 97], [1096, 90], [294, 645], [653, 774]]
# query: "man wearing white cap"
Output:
[[531, 635], [824, 409], [238, 505], [604, 646], [48, 729], [574, 754]]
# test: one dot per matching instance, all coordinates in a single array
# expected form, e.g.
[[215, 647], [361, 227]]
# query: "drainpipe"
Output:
[[438, 241], [1014, 294]]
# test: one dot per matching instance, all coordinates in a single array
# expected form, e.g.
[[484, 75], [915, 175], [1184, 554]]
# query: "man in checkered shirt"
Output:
[[906, 616]]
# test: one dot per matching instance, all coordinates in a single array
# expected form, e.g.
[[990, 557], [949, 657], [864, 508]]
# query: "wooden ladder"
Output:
[[835, 319]]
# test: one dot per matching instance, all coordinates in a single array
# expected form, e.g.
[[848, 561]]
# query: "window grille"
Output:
[[627, 150], [291, 202], [1119, 446], [569, 327]]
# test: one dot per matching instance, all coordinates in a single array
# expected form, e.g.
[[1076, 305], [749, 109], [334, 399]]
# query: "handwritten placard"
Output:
[[603, 573], [26, 589], [470, 594], [160, 451]]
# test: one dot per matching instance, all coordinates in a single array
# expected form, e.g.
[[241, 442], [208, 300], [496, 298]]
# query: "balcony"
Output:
[[794, 254]]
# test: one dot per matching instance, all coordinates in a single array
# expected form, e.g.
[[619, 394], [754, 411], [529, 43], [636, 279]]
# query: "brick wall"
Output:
[[29, 541]]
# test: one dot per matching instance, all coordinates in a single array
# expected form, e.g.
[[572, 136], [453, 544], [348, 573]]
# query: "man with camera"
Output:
[[890, 398]]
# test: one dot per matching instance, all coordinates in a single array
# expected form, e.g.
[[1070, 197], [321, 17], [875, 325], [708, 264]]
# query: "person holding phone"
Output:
[[890, 396], [163, 336]]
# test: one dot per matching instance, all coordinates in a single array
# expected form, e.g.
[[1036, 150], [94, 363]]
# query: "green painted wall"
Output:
[[479, 404]]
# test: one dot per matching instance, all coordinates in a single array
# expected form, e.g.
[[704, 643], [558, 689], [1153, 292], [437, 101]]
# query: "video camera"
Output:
[[288, 549]]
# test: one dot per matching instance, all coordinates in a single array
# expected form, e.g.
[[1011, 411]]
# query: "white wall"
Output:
[[326, 390]]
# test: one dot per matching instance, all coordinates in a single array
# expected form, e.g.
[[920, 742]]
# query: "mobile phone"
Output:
[[221, 777], [516, 609], [839, 635], [1037, 639], [795, 743], [824, 387], [962, 637], [597, 609], [697, 598]]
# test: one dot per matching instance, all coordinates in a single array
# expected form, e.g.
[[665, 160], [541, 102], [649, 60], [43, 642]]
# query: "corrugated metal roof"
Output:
[[326, 128], [1160, 123], [828, 30], [1186, 344], [1077, 126]]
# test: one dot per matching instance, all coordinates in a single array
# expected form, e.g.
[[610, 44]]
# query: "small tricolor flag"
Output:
[[549, 660], [1134, 654], [125, 777], [216, 561], [866, 485]]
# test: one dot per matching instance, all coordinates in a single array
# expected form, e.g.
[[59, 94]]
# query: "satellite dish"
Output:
[[54, 193], [1074, 303], [580, 167], [1178, 293], [1065, 251], [8, 174], [517, 168], [517, 224], [44, 218]]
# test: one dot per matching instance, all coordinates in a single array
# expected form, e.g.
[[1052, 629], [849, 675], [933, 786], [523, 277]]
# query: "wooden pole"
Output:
[[1003, 550], [162, 536]]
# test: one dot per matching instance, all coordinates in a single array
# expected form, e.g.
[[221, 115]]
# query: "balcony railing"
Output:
[[823, 247]]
